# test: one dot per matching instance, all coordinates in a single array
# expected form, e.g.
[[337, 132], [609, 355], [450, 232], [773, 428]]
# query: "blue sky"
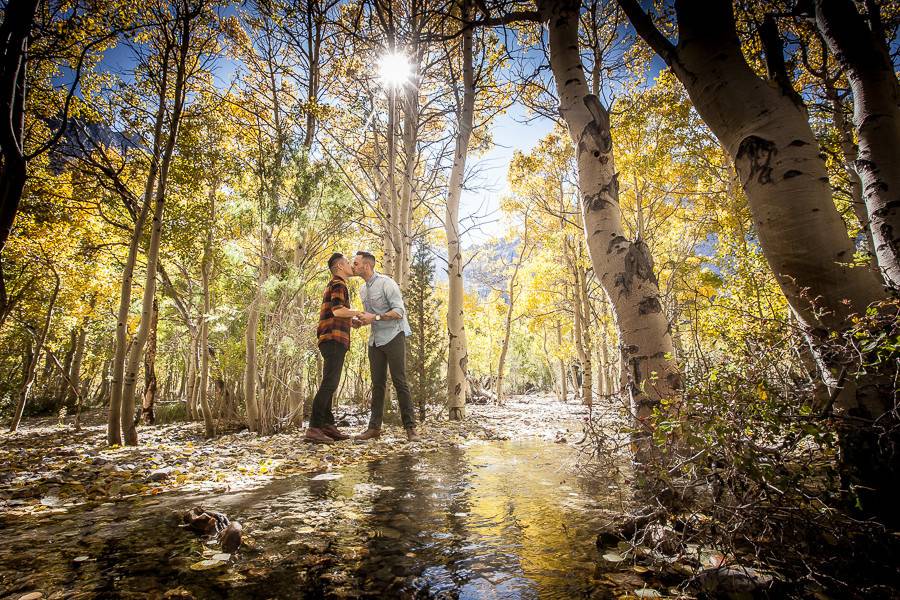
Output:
[[482, 200]]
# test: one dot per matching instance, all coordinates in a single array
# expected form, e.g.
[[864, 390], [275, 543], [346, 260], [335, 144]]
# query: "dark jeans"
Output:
[[333, 357], [393, 355]]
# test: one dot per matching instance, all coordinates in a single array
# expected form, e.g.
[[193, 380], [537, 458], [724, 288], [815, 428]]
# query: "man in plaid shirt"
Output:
[[333, 333]]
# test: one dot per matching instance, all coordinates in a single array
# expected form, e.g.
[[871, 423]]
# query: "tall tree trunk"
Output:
[[458, 355], [140, 338], [149, 397], [765, 129], [507, 320], [865, 57], [65, 371], [34, 359], [581, 298], [113, 426], [205, 270], [251, 368], [407, 191], [72, 395], [624, 267], [563, 377], [18, 20], [849, 153], [190, 375]]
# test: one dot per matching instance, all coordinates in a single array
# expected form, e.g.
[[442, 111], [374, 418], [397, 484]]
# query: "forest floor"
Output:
[[493, 506], [507, 503], [48, 466]]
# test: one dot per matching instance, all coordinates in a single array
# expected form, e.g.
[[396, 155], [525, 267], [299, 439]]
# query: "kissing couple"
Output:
[[384, 313]]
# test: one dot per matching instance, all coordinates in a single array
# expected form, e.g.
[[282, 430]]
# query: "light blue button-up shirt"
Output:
[[381, 294]]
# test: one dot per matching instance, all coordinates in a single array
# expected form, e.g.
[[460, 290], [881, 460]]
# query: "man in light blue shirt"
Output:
[[386, 315]]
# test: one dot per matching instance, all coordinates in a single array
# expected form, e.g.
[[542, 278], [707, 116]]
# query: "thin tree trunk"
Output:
[[149, 397], [587, 382], [849, 152], [624, 267], [140, 338], [65, 370], [190, 376], [30, 369], [865, 57], [507, 321], [113, 427], [205, 270], [458, 355], [77, 359], [251, 366], [563, 377]]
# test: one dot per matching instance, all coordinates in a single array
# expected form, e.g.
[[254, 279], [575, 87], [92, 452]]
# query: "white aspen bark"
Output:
[[410, 154], [587, 382], [149, 397], [205, 270], [766, 132], [113, 425], [458, 355], [849, 153], [624, 267], [137, 347], [251, 367], [865, 58], [391, 208]]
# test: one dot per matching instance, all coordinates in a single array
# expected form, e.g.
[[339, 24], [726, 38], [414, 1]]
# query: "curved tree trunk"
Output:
[[864, 56], [624, 267], [457, 356], [140, 338], [764, 127], [766, 131], [113, 425]]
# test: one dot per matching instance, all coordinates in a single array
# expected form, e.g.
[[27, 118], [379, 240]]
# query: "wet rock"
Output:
[[231, 537], [733, 583], [624, 530], [205, 522], [160, 474], [662, 539]]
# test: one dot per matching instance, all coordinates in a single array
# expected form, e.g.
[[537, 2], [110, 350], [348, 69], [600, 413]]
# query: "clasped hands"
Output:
[[362, 319]]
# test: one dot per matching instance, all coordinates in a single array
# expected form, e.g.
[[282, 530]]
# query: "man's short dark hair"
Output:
[[367, 255], [333, 260]]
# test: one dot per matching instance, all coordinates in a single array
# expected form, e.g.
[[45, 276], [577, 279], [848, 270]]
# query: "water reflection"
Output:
[[490, 520]]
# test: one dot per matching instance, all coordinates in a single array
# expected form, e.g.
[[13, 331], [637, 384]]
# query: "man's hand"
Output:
[[366, 318], [355, 323]]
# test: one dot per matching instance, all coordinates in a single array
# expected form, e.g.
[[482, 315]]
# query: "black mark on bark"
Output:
[[649, 305], [758, 153], [792, 173]]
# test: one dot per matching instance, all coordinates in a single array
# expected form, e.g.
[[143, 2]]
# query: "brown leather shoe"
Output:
[[334, 433], [369, 434], [316, 435], [411, 435]]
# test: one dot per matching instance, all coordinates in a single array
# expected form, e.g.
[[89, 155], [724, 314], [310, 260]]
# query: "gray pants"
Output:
[[393, 355]]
